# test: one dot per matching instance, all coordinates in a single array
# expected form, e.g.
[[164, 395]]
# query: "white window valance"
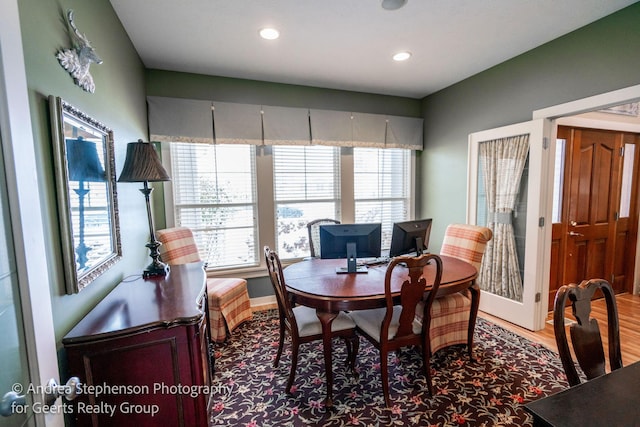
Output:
[[237, 123], [343, 128], [334, 128], [180, 120], [404, 132], [186, 120], [347, 129], [369, 130], [285, 126]]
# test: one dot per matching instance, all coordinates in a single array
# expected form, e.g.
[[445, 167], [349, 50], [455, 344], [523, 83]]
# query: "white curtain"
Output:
[[503, 162]]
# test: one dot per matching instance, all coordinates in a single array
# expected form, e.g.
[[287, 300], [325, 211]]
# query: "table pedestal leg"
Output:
[[326, 319]]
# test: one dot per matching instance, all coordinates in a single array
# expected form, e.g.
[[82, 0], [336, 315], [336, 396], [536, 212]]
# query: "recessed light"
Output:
[[402, 56], [393, 4], [269, 33]]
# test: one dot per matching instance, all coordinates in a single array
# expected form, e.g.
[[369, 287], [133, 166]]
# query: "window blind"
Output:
[[382, 187], [214, 194], [306, 187]]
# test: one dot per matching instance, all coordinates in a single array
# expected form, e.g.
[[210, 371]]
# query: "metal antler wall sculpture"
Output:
[[78, 59]]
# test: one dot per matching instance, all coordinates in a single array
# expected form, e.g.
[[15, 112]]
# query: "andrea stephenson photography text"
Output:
[[65, 406]]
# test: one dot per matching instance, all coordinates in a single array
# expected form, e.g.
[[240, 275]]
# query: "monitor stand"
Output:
[[352, 266], [419, 246]]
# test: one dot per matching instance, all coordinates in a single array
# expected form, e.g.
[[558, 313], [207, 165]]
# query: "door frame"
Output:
[[561, 114], [616, 130], [25, 209]]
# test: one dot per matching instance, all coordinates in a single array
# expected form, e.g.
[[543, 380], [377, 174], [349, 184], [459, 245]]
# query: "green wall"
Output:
[[118, 102], [600, 57], [225, 89]]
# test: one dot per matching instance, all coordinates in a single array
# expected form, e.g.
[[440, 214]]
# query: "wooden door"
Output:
[[596, 235]]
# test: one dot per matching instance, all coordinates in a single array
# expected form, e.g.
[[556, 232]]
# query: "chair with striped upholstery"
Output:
[[453, 320], [227, 298]]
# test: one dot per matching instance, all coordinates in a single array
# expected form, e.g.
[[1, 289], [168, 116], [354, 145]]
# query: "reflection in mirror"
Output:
[[85, 178]]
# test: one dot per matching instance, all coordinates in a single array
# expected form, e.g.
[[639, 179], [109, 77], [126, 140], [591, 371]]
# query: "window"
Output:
[[629, 153], [558, 180], [382, 187], [214, 194], [307, 187], [237, 198]]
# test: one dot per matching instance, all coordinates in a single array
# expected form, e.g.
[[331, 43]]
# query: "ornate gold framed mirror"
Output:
[[83, 150]]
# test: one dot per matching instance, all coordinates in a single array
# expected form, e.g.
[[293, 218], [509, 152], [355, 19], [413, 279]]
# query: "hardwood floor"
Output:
[[628, 313]]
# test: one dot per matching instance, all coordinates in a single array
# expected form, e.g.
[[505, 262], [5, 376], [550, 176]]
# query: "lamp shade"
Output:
[[142, 164], [82, 161]]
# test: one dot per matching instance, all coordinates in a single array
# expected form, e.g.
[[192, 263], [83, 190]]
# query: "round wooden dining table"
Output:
[[315, 283]]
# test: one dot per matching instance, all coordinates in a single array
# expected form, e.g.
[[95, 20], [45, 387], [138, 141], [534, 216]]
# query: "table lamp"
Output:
[[83, 165], [142, 164]]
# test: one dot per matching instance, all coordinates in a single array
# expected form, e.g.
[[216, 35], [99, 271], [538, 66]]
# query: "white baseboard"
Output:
[[264, 303]]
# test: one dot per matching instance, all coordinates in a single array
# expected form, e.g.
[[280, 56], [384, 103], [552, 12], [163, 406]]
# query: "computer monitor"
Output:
[[410, 236], [350, 241]]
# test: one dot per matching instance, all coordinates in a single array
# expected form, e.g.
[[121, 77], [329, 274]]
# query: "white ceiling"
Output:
[[348, 44]]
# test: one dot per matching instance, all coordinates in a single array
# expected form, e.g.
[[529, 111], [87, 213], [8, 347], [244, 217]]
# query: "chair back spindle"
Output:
[[276, 275], [411, 294]]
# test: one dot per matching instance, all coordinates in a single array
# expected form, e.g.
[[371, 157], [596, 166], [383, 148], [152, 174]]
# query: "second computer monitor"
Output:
[[410, 236]]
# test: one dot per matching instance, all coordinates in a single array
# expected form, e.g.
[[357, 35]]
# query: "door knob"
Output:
[[573, 223], [10, 401], [574, 234], [69, 390]]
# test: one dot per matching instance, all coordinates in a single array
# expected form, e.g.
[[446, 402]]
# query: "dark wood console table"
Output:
[[142, 354]]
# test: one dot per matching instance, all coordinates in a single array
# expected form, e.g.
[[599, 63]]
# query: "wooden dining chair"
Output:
[[313, 228], [302, 323], [585, 333], [227, 298], [395, 326], [453, 316]]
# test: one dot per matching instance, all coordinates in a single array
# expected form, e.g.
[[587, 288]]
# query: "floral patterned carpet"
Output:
[[509, 371]]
